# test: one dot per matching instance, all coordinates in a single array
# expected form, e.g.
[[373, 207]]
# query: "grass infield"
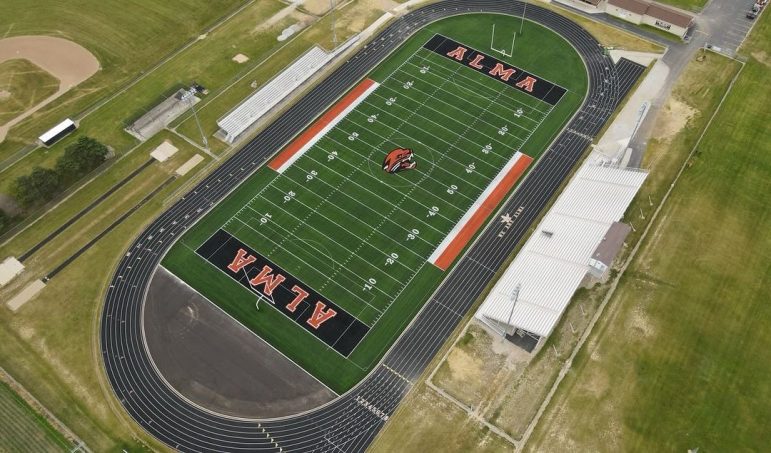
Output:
[[362, 238], [22, 86]]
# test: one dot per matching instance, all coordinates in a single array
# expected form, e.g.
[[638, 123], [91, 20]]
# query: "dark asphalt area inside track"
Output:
[[218, 363], [350, 422]]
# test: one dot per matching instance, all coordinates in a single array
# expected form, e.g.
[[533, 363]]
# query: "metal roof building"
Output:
[[554, 260]]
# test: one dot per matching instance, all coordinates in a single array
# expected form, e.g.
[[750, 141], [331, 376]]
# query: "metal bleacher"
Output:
[[238, 120]]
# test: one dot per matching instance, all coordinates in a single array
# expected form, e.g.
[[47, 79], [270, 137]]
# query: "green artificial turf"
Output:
[[362, 237]]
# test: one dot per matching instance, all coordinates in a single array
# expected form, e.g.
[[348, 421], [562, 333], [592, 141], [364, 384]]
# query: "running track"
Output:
[[350, 422]]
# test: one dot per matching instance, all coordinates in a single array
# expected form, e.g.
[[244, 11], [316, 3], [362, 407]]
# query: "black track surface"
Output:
[[350, 422]]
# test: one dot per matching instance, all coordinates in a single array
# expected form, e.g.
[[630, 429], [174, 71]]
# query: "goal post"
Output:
[[502, 51]]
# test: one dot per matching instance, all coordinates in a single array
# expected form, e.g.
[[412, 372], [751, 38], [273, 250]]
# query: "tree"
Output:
[[5, 220], [80, 158], [40, 185], [43, 184]]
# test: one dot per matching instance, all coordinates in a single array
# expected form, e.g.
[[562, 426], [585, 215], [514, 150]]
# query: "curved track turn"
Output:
[[350, 422]]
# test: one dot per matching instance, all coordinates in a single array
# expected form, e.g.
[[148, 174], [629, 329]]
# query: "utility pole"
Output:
[[524, 9], [333, 3], [190, 98], [514, 298]]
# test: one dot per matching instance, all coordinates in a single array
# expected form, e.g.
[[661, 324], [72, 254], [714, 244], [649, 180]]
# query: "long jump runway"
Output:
[[350, 422]]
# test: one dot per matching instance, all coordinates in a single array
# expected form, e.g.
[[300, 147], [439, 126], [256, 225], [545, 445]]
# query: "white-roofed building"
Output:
[[54, 134], [241, 118], [556, 258]]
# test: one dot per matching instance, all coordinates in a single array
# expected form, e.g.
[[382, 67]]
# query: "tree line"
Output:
[[43, 184]]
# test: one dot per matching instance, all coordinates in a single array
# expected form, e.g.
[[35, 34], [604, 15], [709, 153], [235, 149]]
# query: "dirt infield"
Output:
[[67, 61], [217, 363]]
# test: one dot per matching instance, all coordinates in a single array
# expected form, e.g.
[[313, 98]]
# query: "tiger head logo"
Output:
[[399, 159]]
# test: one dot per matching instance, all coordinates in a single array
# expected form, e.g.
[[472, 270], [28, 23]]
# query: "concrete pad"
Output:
[[240, 58], [369, 31], [26, 295], [9, 269], [187, 166], [289, 31], [643, 58], [614, 143], [163, 151]]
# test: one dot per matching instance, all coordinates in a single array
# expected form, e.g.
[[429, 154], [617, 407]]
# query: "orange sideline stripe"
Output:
[[477, 219], [320, 124]]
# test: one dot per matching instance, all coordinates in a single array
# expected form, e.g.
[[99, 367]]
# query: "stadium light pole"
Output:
[[522, 23], [190, 98], [514, 298], [333, 4]]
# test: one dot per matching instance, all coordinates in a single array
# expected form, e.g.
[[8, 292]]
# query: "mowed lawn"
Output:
[[362, 237], [127, 37], [22, 85], [684, 358], [23, 429], [692, 5]]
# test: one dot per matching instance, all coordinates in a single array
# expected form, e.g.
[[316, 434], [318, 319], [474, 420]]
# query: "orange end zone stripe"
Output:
[[488, 207], [322, 122]]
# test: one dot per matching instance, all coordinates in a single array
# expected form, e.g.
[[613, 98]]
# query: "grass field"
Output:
[[51, 350], [49, 344], [117, 32], [23, 429], [362, 237], [22, 85], [692, 5], [679, 363]]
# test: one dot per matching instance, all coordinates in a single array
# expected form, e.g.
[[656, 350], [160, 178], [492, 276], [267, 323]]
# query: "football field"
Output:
[[331, 249]]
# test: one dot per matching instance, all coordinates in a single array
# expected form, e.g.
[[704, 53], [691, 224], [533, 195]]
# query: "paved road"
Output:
[[722, 23], [350, 422]]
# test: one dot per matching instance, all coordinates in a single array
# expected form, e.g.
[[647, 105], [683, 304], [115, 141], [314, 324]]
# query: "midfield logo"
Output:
[[399, 159]]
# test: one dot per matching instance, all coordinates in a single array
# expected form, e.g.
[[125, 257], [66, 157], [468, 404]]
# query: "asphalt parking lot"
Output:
[[727, 24]]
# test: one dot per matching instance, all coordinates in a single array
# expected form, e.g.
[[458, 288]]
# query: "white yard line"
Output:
[[337, 225]]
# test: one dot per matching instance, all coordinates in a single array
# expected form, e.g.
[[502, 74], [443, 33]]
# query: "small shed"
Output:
[[57, 132]]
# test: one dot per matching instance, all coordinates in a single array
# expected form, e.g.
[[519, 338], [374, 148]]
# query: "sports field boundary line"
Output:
[[277, 245]]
